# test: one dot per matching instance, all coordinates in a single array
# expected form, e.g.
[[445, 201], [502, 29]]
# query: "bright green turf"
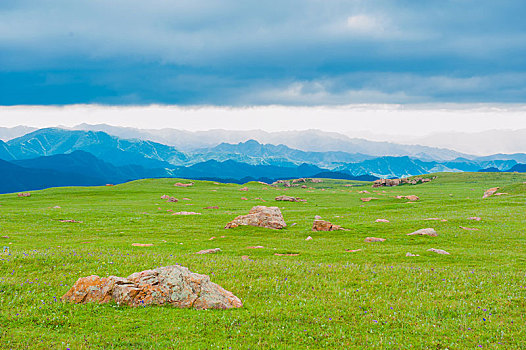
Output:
[[325, 297]]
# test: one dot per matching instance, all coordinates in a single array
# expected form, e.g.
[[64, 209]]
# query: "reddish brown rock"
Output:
[[72, 221], [165, 196], [212, 207], [142, 244], [279, 254], [468, 228], [260, 216], [323, 225], [25, 194], [172, 285], [476, 218], [353, 250], [374, 239], [381, 220], [172, 200], [368, 199], [178, 184], [490, 192], [411, 197], [255, 247], [244, 189]]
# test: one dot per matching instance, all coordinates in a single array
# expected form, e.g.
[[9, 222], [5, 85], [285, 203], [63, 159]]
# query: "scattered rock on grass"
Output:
[[172, 285], [476, 218], [25, 194], [438, 251], [72, 221], [424, 232], [410, 254], [374, 239], [260, 216], [245, 258], [308, 238], [244, 189], [288, 254], [368, 199], [490, 192], [353, 250], [255, 247], [289, 199], [186, 213], [172, 200], [212, 207], [178, 184], [381, 220], [411, 197], [209, 251], [323, 225], [469, 228], [142, 244]]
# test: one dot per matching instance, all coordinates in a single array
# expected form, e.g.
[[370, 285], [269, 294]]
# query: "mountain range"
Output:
[[96, 157]]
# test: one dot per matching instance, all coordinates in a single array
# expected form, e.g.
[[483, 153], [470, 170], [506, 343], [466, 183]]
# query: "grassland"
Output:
[[322, 298]]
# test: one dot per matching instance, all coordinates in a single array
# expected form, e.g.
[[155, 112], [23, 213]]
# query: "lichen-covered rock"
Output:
[[260, 216], [171, 285], [424, 232], [323, 225]]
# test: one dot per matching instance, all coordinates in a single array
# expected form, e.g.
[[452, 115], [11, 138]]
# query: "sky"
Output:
[[262, 53]]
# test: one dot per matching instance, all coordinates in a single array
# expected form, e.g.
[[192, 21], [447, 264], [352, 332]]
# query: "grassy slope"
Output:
[[324, 297]]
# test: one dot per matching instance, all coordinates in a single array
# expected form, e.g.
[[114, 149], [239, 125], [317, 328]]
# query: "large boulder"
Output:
[[322, 225], [171, 285], [260, 216]]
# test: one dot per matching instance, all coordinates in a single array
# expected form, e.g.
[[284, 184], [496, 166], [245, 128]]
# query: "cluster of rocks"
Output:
[[398, 182], [323, 225], [296, 182], [171, 285], [289, 199], [25, 194], [411, 197]]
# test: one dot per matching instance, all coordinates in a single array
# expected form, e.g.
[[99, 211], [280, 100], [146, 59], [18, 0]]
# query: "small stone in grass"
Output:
[[308, 238], [209, 251], [438, 251], [374, 239], [353, 250], [410, 254], [142, 244], [381, 220]]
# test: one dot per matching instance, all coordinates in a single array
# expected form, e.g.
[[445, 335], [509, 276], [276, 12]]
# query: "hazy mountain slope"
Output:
[[81, 162], [486, 142], [7, 134], [5, 153], [520, 168], [15, 178], [117, 151]]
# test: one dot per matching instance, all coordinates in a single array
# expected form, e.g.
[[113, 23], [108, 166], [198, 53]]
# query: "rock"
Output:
[[245, 258], [469, 228], [438, 251], [172, 285], [374, 239], [322, 225], [185, 199], [244, 189], [308, 238], [500, 193], [186, 213], [490, 192], [212, 207], [353, 250], [244, 198], [73, 221], [289, 199], [211, 238], [410, 197], [142, 244], [303, 186], [25, 194], [165, 196], [368, 199], [364, 191], [279, 254], [172, 200], [317, 217], [424, 232], [209, 251], [387, 182], [410, 254], [476, 218], [381, 220], [255, 247], [7, 237], [260, 216], [178, 184], [57, 207]]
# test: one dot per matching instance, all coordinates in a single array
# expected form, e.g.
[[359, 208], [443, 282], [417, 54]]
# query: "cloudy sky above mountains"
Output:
[[238, 53]]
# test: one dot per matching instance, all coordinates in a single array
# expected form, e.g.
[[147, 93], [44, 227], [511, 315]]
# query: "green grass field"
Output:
[[323, 298]]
